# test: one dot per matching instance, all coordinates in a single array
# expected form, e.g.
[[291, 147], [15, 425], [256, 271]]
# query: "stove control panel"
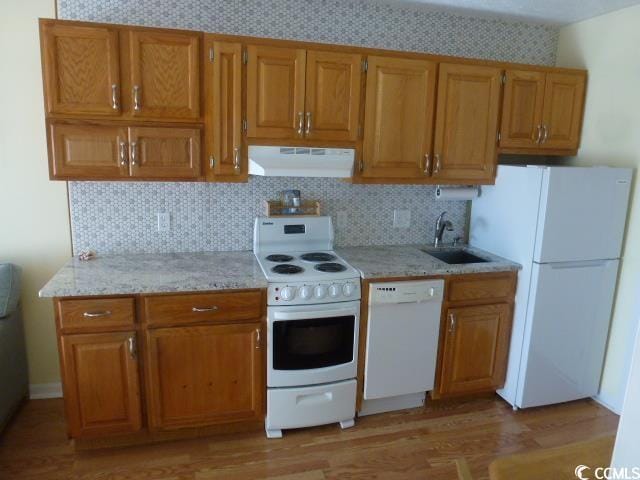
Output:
[[309, 293]]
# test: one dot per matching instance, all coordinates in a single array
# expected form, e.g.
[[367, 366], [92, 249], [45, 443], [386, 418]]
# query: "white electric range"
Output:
[[313, 316]]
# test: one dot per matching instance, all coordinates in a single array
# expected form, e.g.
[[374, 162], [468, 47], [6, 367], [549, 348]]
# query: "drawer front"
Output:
[[202, 307], [96, 314], [470, 289]]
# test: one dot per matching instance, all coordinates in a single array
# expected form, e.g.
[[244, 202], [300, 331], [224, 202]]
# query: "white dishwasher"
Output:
[[402, 344]]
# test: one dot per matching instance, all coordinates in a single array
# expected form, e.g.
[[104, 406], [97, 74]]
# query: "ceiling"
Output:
[[547, 11]]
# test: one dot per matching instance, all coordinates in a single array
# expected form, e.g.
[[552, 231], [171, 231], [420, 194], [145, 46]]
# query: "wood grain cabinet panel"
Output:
[[466, 131], [482, 287], [101, 389], [522, 108], [476, 345], [81, 67], [204, 375], [78, 151], [164, 75], [332, 95], [562, 114], [399, 105], [223, 112], [96, 314], [275, 92], [172, 153]]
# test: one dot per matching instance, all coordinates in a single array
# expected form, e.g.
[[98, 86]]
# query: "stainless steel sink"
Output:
[[455, 256]]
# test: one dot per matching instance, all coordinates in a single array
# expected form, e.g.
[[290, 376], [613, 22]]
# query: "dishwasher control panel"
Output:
[[406, 292]]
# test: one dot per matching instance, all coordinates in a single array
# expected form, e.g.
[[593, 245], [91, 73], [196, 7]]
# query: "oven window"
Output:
[[313, 343]]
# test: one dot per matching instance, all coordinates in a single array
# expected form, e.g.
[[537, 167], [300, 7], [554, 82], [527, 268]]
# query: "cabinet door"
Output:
[[101, 389], [223, 113], [476, 345], [81, 69], [398, 124], [87, 152], [164, 75], [204, 375], [275, 92], [522, 109], [169, 153], [467, 123], [332, 98], [562, 114]]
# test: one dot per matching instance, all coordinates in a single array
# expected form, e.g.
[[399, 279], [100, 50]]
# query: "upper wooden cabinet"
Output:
[[398, 124], [465, 145], [275, 92], [81, 68], [332, 95], [542, 111], [299, 94], [120, 72], [164, 75], [223, 112], [102, 391]]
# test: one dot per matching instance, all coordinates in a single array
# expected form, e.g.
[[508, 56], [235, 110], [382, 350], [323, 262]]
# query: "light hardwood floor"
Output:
[[414, 444]]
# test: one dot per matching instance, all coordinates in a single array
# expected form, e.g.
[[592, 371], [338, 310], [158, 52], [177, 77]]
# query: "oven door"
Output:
[[312, 344]]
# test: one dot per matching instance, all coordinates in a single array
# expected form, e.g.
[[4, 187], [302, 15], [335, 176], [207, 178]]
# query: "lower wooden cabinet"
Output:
[[101, 384], [476, 345], [203, 375]]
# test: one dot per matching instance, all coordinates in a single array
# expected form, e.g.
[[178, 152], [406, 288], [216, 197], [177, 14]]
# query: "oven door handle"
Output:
[[279, 315]]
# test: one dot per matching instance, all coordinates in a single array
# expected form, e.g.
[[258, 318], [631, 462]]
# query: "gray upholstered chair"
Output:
[[14, 380]]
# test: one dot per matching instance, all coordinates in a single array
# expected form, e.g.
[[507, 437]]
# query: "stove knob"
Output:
[[348, 289], [335, 290], [305, 292], [287, 293], [320, 291]]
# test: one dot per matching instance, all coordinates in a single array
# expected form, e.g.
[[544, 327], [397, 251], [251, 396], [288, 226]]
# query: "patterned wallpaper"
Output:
[[113, 217]]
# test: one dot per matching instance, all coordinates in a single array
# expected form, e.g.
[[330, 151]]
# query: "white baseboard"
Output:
[[606, 404], [45, 390]]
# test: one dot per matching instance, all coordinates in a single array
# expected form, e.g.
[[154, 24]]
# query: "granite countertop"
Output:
[[408, 260], [156, 273]]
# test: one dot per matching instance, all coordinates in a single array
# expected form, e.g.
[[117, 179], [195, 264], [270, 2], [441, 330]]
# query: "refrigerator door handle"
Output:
[[579, 263]]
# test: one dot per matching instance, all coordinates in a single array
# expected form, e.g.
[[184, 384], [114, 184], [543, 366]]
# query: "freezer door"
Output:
[[582, 213], [566, 331]]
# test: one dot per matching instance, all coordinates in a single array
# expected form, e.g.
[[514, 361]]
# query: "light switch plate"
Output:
[[164, 221], [401, 218]]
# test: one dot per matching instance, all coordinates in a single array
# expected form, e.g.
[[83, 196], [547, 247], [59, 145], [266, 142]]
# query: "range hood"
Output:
[[270, 161]]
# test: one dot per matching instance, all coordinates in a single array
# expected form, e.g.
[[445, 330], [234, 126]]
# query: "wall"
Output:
[[608, 47], [121, 217], [34, 223]]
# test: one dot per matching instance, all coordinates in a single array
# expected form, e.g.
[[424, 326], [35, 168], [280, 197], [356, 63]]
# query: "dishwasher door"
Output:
[[402, 338]]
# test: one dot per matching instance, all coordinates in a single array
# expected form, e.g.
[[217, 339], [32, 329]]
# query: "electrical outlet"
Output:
[[164, 221], [401, 218], [341, 218]]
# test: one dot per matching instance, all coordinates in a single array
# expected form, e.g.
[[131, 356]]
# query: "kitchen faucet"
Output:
[[441, 226]]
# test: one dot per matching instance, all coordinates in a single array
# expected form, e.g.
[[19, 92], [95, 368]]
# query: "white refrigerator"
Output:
[[565, 226]]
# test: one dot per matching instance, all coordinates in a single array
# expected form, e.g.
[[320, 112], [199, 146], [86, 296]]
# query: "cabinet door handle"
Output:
[[361, 164], [136, 98], [436, 167], [102, 313], [123, 154], [452, 323], [545, 134], [236, 160], [134, 154], [114, 97], [300, 123], [258, 339], [538, 134], [308, 130], [133, 347], [427, 163], [212, 308], [212, 162]]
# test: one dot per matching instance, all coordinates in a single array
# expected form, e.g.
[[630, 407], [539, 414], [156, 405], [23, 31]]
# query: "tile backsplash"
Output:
[[113, 217], [119, 217]]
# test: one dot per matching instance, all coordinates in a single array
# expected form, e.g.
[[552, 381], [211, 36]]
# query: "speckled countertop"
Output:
[[409, 260], [156, 273]]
